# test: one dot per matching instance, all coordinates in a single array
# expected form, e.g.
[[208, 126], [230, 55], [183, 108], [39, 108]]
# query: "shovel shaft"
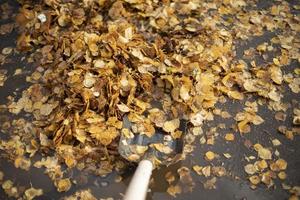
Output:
[[138, 186]]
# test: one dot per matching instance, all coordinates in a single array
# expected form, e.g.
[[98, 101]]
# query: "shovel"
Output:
[[141, 148]]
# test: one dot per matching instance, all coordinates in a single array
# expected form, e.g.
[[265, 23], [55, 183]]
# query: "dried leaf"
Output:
[[171, 126], [209, 155], [174, 190], [31, 193], [63, 185]]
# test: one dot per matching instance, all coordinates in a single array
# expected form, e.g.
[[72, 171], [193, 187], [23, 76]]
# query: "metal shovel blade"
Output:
[[161, 148]]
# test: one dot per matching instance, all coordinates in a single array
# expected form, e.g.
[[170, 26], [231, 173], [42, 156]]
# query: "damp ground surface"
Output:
[[233, 186]]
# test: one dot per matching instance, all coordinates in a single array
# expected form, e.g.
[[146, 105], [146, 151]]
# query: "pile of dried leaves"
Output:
[[101, 60]]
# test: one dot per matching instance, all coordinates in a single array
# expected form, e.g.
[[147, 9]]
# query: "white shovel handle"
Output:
[[138, 186]]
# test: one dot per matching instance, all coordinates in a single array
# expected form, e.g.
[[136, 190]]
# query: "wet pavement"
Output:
[[226, 187]]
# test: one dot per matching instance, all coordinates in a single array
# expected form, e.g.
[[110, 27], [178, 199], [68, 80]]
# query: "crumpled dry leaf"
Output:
[[229, 137], [296, 118], [209, 155], [210, 184], [95, 70], [1, 176], [162, 148], [250, 169], [23, 163], [276, 74], [63, 185], [206, 171], [196, 119], [254, 179], [219, 171], [170, 177], [198, 169], [247, 117], [186, 179], [264, 153], [31, 193], [157, 116], [123, 108], [9, 189], [104, 135], [173, 190], [46, 109], [3, 77], [171, 126]]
